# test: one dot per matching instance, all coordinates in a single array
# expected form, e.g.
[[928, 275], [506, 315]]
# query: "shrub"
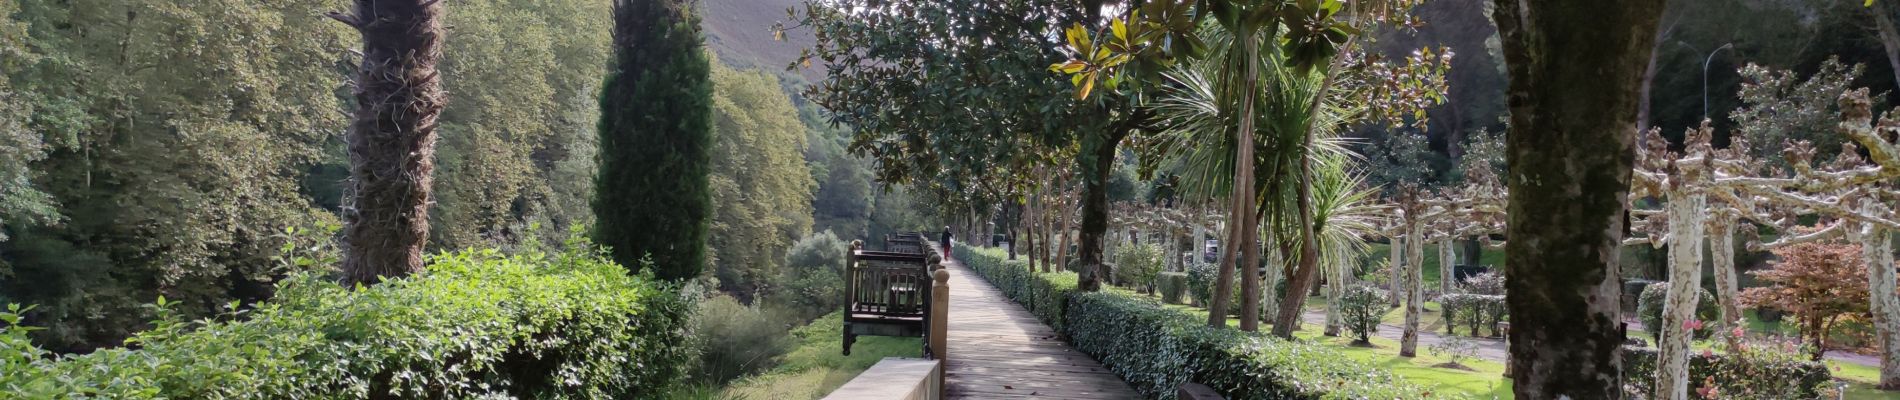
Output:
[[1360, 309], [1137, 264], [475, 324], [739, 340], [1173, 286], [1757, 370], [1455, 349], [1476, 310], [1489, 283], [1201, 280], [814, 274], [1155, 348], [1649, 309]]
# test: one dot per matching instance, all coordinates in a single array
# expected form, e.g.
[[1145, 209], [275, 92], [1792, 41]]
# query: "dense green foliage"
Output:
[[813, 280], [175, 136], [1137, 264], [517, 142], [761, 189], [653, 197], [127, 176], [479, 323], [1156, 348]]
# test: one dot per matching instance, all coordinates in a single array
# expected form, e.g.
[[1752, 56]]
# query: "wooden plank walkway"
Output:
[[998, 350]]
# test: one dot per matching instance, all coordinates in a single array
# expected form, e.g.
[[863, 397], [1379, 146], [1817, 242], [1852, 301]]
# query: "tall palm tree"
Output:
[[1202, 109]]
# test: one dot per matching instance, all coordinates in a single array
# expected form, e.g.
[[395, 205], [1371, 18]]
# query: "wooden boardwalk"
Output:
[[998, 350]]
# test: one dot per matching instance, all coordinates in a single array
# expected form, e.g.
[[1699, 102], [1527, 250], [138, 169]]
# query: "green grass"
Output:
[[1486, 380], [1381, 252], [815, 367]]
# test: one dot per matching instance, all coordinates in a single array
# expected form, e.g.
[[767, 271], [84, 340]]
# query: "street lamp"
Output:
[[1705, 72]]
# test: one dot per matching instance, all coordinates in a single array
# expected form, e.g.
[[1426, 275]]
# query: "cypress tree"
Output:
[[652, 196]]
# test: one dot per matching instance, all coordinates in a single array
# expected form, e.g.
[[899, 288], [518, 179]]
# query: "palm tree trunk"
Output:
[[392, 140], [1293, 301], [1242, 214]]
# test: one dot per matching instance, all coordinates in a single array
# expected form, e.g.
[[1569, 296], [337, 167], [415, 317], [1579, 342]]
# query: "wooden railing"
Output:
[[884, 292]]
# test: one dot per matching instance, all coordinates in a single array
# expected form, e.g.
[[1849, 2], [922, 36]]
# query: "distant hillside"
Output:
[[740, 31]]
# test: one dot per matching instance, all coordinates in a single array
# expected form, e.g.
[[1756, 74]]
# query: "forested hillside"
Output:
[[192, 149]]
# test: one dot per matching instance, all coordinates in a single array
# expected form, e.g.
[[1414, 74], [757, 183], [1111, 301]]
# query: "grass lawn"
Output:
[[812, 369], [1486, 380]]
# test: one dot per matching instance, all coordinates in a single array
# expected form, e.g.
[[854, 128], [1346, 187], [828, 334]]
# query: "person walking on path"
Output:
[[946, 242]]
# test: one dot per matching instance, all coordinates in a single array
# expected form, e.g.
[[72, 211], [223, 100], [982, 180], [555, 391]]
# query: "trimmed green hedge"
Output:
[[477, 324], [1155, 348]]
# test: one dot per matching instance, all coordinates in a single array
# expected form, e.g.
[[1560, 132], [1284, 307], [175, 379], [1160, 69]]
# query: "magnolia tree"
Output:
[[1706, 189]]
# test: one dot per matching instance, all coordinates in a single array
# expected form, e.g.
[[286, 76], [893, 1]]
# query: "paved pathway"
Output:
[[998, 350]]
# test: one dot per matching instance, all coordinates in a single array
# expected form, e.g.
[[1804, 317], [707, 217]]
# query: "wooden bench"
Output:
[[905, 243], [887, 294]]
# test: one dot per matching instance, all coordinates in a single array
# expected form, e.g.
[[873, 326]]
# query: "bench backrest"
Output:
[[888, 284], [904, 242]]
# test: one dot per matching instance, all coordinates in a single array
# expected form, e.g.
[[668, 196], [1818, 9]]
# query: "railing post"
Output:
[[940, 318]]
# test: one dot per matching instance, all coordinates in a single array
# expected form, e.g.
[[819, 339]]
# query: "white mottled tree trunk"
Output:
[[1685, 286], [1395, 283], [1446, 259], [1414, 289], [1722, 252], [1876, 246]]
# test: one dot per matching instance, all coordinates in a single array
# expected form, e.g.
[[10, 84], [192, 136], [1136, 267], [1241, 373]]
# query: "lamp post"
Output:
[[1705, 72]]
